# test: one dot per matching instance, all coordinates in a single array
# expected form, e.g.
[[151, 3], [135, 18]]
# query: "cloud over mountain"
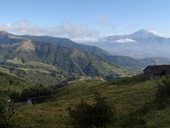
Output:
[[67, 29], [140, 44], [126, 40]]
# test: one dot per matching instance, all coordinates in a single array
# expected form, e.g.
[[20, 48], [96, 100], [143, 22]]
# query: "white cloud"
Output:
[[153, 30], [67, 29], [158, 33], [126, 40]]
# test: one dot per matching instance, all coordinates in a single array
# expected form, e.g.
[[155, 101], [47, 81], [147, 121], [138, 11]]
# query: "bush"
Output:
[[36, 91], [98, 115], [102, 112], [163, 93], [7, 114], [80, 117], [15, 96], [33, 91]]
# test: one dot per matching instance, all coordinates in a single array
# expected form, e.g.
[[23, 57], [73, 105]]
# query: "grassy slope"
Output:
[[127, 98], [41, 71], [32, 66], [158, 118], [48, 74], [12, 83]]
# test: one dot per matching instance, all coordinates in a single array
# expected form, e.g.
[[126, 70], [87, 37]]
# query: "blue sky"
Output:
[[84, 18]]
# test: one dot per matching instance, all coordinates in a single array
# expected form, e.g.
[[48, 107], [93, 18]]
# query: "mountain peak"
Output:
[[143, 33]]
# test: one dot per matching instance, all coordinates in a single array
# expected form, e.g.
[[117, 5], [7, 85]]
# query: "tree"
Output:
[[103, 114], [7, 114], [36, 91], [163, 93], [80, 117], [99, 115]]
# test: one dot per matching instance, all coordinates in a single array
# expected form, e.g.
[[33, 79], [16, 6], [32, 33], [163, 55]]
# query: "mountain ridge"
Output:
[[140, 44], [51, 62], [123, 60]]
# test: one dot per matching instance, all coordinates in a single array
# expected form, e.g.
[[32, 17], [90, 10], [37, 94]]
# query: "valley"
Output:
[[84, 64], [35, 67]]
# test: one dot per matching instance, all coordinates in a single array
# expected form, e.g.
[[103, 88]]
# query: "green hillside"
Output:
[[129, 96], [52, 64], [12, 83]]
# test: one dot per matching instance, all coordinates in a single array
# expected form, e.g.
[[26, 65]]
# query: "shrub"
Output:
[[36, 91], [163, 93], [80, 117], [7, 114], [102, 112], [15, 96], [98, 115]]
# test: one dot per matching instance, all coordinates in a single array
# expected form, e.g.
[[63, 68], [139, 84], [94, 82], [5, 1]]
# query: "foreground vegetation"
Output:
[[137, 103], [100, 114], [8, 114]]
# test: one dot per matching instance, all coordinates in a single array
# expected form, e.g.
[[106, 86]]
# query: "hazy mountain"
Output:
[[155, 61], [141, 44], [66, 43], [49, 61], [125, 61], [50, 51]]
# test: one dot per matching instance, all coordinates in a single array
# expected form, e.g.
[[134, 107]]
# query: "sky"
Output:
[[84, 19]]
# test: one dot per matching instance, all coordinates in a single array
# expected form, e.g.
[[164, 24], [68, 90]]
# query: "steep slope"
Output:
[[66, 43], [73, 60], [124, 61], [52, 64], [26, 46], [11, 83], [125, 45], [126, 49]]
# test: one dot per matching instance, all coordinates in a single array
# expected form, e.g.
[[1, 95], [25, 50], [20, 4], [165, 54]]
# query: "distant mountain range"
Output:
[[141, 44], [50, 59], [124, 60]]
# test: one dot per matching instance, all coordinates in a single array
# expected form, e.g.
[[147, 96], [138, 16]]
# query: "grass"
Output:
[[34, 71], [10, 83], [15, 61], [127, 95], [5, 70], [29, 70], [158, 118], [116, 69], [31, 66], [129, 80], [126, 98]]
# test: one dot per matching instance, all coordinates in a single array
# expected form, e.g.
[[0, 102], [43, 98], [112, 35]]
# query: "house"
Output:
[[153, 71]]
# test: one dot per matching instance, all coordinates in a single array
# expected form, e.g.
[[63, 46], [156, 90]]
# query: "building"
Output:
[[153, 71]]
